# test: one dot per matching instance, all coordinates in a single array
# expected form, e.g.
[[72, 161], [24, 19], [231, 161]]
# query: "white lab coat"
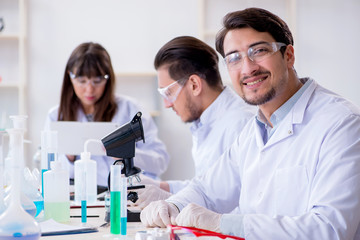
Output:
[[213, 133], [150, 156], [304, 183]]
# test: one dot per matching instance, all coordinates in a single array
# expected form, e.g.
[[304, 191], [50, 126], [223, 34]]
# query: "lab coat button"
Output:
[[289, 132]]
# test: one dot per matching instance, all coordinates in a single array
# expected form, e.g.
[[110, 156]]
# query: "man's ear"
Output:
[[289, 56], [195, 84]]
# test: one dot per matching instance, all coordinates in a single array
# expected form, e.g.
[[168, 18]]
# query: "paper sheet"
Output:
[[51, 227]]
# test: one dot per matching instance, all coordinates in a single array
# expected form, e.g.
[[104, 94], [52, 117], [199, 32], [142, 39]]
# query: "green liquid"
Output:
[[115, 199], [59, 211]]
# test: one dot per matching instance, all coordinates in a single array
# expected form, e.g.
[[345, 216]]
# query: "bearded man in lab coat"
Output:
[[190, 83], [294, 171]]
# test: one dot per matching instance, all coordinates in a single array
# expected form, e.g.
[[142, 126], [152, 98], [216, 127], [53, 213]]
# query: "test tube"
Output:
[[83, 199], [115, 199], [123, 203]]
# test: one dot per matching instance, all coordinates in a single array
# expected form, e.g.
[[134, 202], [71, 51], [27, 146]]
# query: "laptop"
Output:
[[73, 135]]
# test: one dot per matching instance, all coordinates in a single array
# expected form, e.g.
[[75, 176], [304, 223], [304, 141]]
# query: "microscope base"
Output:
[[131, 216]]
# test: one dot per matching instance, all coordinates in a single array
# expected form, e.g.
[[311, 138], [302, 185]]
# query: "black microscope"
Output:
[[121, 144]]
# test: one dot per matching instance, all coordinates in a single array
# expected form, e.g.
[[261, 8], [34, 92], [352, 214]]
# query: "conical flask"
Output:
[[15, 222]]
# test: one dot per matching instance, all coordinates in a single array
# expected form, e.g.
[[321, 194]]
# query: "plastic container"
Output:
[[87, 166], [56, 193]]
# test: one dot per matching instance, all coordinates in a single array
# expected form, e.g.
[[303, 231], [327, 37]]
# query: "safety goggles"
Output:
[[83, 81], [256, 53], [172, 91]]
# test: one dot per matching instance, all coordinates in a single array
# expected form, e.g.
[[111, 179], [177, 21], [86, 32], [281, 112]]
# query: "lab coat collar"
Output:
[[211, 112], [299, 108], [295, 116]]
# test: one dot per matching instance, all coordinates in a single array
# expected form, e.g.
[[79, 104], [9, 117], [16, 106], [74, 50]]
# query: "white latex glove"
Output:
[[145, 180], [159, 214], [150, 194], [194, 215]]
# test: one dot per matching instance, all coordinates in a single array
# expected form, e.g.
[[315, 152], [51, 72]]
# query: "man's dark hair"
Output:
[[187, 55], [259, 19]]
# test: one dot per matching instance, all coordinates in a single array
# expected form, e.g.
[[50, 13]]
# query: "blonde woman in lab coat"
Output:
[[87, 95]]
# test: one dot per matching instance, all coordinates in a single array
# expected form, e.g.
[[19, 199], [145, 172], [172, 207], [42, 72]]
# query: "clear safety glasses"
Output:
[[256, 53], [197, 232], [171, 92], [83, 81]]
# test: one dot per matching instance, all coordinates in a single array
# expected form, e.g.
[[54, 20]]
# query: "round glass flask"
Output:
[[15, 222]]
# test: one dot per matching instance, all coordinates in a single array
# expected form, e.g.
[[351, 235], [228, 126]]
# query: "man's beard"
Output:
[[262, 99], [194, 112]]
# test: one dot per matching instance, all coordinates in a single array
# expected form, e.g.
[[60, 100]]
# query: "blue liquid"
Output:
[[20, 236], [51, 157], [83, 211], [39, 207], [42, 181], [31, 211], [123, 224]]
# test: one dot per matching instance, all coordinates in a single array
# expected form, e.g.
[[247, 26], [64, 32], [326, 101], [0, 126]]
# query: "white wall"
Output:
[[327, 33]]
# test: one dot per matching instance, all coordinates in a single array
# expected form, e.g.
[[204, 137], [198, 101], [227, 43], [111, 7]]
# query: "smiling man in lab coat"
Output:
[[294, 171]]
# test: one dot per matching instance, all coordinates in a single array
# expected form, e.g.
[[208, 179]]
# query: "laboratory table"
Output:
[[103, 231]]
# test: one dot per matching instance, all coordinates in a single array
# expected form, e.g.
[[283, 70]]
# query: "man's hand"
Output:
[[196, 216], [150, 194], [159, 214]]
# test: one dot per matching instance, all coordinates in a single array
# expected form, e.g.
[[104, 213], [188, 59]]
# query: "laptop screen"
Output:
[[73, 135]]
